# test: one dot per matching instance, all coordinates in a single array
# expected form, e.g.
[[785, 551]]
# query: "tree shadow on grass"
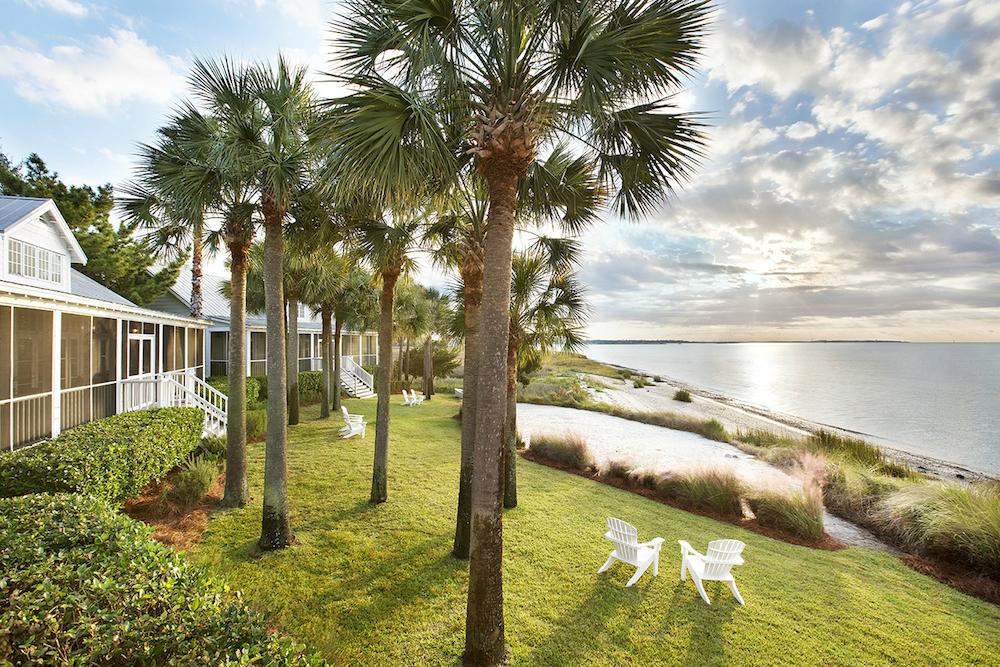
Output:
[[706, 622]]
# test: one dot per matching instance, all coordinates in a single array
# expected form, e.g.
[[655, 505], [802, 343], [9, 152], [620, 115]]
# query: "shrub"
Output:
[[570, 449], [955, 520], [310, 386], [861, 452], [256, 387], [83, 584], [682, 395], [111, 458], [256, 424], [616, 469], [854, 492], [212, 446], [194, 480], [798, 513], [713, 489]]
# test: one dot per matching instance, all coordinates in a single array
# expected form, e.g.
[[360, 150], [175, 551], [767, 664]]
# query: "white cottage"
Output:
[[72, 350]]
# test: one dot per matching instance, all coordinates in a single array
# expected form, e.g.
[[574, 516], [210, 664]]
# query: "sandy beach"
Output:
[[738, 416]]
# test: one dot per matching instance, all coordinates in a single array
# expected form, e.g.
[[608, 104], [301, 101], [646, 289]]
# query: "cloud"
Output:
[[70, 7], [97, 76], [800, 130]]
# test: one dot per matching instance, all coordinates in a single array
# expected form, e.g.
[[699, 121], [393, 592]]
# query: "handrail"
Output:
[[355, 369]]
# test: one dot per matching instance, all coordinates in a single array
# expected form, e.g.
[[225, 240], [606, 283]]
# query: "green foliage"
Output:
[[444, 356], [716, 490], [256, 387], [570, 449], [861, 452], [796, 512], [682, 395], [953, 520], [310, 386], [111, 458], [854, 492], [256, 424], [116, 258], [194, 480], [616, 469], [83, 584], [212, 446]]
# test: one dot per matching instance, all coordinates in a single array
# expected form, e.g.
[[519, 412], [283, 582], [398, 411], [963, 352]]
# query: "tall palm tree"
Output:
[[181, 178], [265, 112], [411, 317], [440, 317], [547, 311], [504, 80], [386, 244]]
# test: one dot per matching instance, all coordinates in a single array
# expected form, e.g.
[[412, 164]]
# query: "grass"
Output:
[[377, 586], [682, 395], [713, 489], [792, 512], [569, 448]]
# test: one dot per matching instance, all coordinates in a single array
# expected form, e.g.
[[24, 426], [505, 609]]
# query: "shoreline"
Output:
[[731, 410]]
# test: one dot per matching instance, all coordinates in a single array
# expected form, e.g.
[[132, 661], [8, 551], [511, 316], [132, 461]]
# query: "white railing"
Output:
[[351, 367], [177, 389]]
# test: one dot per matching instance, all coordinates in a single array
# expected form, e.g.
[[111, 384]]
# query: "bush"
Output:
[[194, 480], [83, 584], [111, 458], [256, 387], [616, 469], [682, 395], [570, 449], [954, 520], [310, 386], [256, 424], [212, 446], [858, 451], [714, 489], [796, 512], [854, 492]]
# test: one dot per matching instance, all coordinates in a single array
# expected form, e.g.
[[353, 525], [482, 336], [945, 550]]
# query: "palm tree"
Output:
[[186, 170], [503, 81], [386, 245], [411, 317], [440, 316], [547, 310]]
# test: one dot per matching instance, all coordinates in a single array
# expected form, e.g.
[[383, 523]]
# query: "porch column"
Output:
[[119, 345], [56, 372], [249, 356]]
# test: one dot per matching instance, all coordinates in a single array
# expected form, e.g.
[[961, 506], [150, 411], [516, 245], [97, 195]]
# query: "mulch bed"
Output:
[[969, 581], [176, 525], [826, 543]]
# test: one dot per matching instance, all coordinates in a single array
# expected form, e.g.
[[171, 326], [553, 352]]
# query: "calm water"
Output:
[[937, 399]]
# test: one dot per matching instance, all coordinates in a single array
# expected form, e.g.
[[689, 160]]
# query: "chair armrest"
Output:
[[654, 543], [688, 550]]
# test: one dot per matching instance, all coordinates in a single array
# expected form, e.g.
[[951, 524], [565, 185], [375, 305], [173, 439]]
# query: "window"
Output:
[[75, 351], [32, 352], [219, 351], [102, 350], [30, 261]]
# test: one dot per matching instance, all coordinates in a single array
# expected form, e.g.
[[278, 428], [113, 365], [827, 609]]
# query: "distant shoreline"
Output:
[[639, 341], [927, 464]]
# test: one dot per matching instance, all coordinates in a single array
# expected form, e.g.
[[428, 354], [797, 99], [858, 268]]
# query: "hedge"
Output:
[[256, 387], [111, 458], [310, 386], [83, 584]]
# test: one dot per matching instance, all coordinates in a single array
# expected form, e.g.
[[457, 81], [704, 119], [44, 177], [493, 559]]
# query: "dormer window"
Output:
[[30, 261]]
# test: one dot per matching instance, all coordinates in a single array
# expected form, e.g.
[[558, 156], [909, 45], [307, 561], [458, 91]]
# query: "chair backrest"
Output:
[[347, 417], [626, 539], [721, 556]]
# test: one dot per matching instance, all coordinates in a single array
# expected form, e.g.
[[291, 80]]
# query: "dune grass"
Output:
[[569, 448], [377, 585]]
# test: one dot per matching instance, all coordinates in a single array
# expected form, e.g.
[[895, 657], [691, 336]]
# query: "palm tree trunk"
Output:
[[337, 362], [484, 628], [326, 316], [236, 493], [428, 368], [276, 532], [472, 279], [197, 250], [293, 359], [399, 352], [510, 431], [407, 364], [381, 463]]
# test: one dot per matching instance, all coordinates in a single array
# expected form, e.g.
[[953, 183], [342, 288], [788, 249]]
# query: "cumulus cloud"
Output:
[[96, 76], [800, 130]]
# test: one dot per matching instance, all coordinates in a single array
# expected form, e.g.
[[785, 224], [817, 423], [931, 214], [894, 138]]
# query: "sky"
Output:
[[851, 188]]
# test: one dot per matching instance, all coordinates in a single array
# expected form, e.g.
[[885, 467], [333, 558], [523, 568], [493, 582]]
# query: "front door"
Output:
[[141, 354]]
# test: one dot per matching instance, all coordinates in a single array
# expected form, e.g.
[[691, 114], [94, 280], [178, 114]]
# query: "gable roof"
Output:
[[16, 210]]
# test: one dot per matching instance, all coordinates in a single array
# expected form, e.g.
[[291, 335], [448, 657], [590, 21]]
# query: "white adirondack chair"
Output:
[[460, 393], [353, 425], [406, 398], [628, 549], [415, 398], [716, 566]]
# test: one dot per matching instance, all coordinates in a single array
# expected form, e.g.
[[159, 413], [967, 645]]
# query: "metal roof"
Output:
[[15, 209], [87, 287]]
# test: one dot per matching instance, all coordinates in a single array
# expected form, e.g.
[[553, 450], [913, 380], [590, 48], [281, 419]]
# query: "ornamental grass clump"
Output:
[[957, 521], [795, 512], [569, 449], [194, 480], [714, 489], [619, 469], [682, 395]]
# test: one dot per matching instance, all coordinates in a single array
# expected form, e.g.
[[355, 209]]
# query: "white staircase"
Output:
[[355, 380], [177, 389]]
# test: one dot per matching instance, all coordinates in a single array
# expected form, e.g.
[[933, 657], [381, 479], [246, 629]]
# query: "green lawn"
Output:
[[377, 585]]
